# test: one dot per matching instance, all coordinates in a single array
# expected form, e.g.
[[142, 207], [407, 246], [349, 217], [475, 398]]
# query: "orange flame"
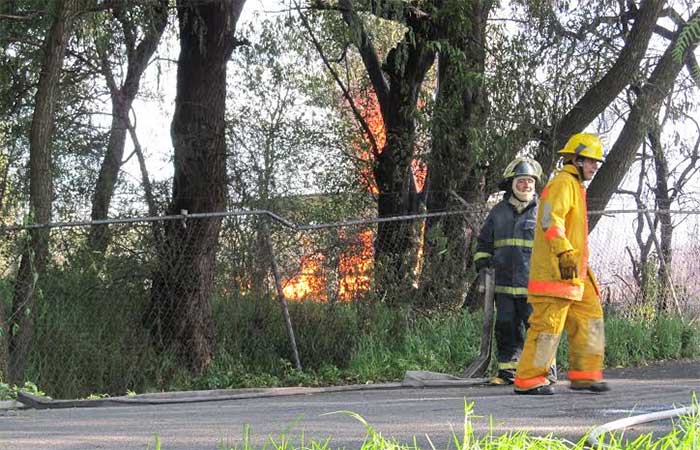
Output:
[[369, 109], [355, 267], [420, 171], [355, 264], [354, 273], [309, 283]]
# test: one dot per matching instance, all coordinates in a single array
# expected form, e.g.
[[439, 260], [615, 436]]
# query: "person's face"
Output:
[[525, 184], [588, 168]]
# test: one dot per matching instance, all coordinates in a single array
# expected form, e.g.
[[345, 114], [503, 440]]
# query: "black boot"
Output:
[[539, 390], [504, 376], [593, 386], [499, 381]]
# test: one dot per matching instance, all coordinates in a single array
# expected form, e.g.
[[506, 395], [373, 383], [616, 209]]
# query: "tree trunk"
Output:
[[147, 187], [122, 98], [397, 84], [180, 316], [642, 116], [460, 112], [109, 171], [663, 202], [397, 196], [600, 95], [396, 242], [33, 262]]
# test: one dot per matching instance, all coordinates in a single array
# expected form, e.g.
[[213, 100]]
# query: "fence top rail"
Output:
[[304, 227], [126, 220], [223, 214]]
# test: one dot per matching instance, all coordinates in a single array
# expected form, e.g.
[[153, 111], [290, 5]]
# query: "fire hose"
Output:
[[594, 438]]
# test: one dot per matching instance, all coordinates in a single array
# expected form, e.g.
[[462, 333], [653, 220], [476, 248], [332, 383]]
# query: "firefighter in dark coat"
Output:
[[505, 243]]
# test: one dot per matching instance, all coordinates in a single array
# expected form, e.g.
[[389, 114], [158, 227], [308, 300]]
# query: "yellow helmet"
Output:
[[585, 145], [523, 166]]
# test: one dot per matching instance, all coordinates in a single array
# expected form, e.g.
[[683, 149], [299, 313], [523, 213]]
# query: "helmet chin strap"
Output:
[[578, 163]]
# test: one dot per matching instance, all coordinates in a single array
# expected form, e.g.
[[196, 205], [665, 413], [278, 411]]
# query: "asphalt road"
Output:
[[401, 413]]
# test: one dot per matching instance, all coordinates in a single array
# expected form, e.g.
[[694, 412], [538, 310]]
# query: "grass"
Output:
[[684, 435], [97, 344]]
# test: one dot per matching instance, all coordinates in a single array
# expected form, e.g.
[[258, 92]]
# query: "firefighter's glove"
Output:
[[482, 263], [568, 264]]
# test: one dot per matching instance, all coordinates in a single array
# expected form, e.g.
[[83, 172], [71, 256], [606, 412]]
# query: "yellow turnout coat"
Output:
[[562, 225]]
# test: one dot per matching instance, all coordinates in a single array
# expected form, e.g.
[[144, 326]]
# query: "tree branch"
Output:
[[346, 93], [663, 32], [596, 99], [384, 9], [647, 105], [693, 68], [690, 169], [691, 62], [367, 52]]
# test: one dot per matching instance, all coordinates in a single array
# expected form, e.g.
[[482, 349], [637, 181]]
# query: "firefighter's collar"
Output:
[[570, 168]]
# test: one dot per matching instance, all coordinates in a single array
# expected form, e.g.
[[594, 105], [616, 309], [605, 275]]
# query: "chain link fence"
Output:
[[641, 272], [107, 306]]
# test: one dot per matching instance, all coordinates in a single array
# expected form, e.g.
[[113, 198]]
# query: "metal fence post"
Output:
[[280, 294]]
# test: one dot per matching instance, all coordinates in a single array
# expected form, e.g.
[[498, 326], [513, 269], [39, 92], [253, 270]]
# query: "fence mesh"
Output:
[[90, 308], [642, 272]]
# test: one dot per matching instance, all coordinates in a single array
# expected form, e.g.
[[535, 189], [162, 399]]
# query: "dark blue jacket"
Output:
[[506, 238]]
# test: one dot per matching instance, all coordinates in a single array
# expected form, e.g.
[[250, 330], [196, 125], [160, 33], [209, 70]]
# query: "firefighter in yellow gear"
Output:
[[562, 289]]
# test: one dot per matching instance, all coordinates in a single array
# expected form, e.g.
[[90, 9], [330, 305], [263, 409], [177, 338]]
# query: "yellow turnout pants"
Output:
[[583, 322]]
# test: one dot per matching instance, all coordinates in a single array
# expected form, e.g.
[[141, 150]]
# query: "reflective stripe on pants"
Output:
[[583, 322]]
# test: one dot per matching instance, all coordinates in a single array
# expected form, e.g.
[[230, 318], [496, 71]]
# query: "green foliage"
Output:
[[8, 392], [283, 137], [650, 288], [94, 344], [156, 443], [90, 336], [399, 342], [639, 341], [688, 38], [88, 332], [324, 333]]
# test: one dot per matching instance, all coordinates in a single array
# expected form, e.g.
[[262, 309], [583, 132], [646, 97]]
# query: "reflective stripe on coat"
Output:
[[562, 225], [506, 238]]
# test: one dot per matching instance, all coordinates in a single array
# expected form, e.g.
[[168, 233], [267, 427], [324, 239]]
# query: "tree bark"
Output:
[[663, 203], [460, 113], [180, 317], [397, 84], [122, 99], [33, 262]]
